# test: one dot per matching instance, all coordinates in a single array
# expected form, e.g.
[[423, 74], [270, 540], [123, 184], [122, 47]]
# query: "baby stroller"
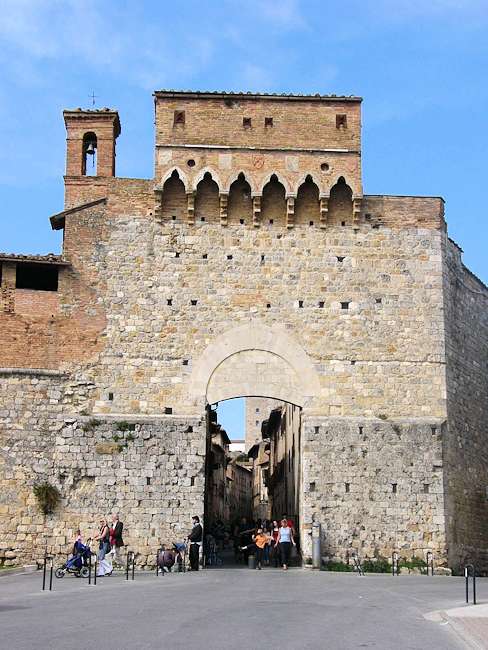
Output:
[[77, 564], [180, 555]]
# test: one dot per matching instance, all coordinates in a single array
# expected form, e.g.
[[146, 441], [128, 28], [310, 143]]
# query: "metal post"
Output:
[[89, 569], [133, 563], [96, 570], [430, 562], [394, 564], [127, 565], [157, 564], [466, 577], [51, 574], [316, 550], [44, 574]]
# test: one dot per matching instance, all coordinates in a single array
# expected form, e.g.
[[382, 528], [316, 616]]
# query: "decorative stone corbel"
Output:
[[190, 207], [224, 198], [324, 211], [256, 211], [290, 211], [356, 211], [158, 207]]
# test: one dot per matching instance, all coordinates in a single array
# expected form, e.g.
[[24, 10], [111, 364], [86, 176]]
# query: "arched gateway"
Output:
[[257, 361], [253, 360]]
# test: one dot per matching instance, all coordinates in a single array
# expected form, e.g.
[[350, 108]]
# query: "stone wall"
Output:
[[466, 445], [151, 470], [375, 485]]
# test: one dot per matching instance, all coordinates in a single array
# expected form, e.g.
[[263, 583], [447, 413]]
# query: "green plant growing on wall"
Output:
[[130, 437], [48, 497], [91, 424]]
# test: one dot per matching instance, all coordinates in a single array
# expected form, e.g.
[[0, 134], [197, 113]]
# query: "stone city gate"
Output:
[[250, 263]]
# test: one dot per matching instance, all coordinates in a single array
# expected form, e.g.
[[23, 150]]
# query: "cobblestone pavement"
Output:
[[235, 608]]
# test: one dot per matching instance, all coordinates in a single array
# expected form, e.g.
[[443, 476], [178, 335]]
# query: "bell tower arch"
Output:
[[91, 133]]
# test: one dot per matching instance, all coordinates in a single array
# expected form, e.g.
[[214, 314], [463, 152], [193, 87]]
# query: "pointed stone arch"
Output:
[[254, 359], [239, 206], [273, 202], [249, 178], [340, 203], [307, 203], [181, 175], [201, 175], [173, 198], [207, 203], [281, 179]]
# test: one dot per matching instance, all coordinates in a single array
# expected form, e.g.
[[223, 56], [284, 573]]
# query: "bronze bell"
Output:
[[90, 150]]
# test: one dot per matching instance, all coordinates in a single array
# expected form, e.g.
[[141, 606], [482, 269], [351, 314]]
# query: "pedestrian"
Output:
[[285, 540], [166, 559], [273, 544], [105, 567], [116, 540], [261, 540], [195, 539], [103, 538]]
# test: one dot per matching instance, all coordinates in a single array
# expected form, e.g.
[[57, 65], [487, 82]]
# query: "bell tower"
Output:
[[90, 142]]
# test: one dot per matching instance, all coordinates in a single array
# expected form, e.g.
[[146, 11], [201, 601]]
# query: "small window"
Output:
[[190, 162], [229, 257], [340, 258], [300, 304], [268, 122], [246, 122], [204, 256], [179, 118], [148, 480], [110, 397], [257, 410], [347, 486], [185, 362], [169, 301], [345, 305], [257, 422], [268, 305], [321, 304], [312, 487], [360, 431], [341, 121], [426, 488], [378, 301], [39, 277], [394, 488], [193, 302], [168, 410]]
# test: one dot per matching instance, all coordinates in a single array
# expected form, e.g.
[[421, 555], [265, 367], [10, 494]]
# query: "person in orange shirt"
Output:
[[260, 539]]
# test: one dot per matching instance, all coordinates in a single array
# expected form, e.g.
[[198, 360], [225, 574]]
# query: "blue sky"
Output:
[[421, 66]]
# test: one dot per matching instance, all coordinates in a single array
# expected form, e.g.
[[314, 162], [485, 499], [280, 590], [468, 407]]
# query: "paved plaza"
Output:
[[240, 608]]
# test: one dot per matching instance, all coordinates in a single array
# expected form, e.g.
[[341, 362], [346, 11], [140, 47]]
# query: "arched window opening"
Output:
[[174, 204], [340, 204], [89, 161], [273, 203], [207, 206], [307, 206], [240, 201]]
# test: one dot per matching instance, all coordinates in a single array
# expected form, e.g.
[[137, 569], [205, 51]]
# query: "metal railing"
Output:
[[466, 577]]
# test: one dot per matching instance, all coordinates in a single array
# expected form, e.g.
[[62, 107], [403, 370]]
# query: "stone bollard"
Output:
[[251, 562]]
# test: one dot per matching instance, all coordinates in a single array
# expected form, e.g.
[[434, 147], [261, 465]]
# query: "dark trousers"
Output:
[[275, 555], [259, 555], [285, 548], [194, 556]]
